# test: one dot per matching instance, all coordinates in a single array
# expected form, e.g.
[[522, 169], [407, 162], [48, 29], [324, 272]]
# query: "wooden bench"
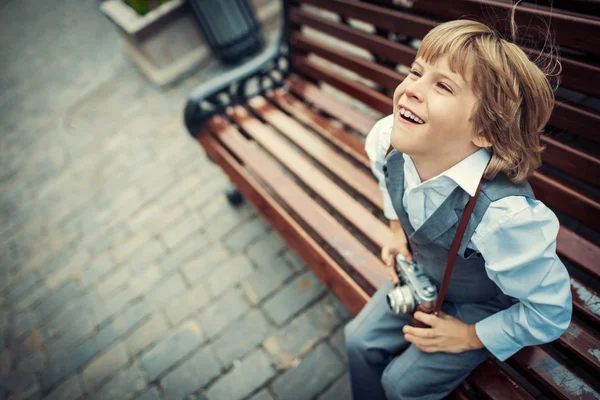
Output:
[[294, 147]]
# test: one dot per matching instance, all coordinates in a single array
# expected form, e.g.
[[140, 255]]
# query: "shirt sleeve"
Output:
[[520, 257], [376, 145]]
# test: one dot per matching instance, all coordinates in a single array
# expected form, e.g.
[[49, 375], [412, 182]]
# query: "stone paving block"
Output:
[[104, 366], [171, 287], [205, 263], [148, 333], [246, 234], [76, 332], [23, 323], [294, 296], [20, 288], [172, 349], [186, 304], [252, 372], [124, 385], [145, 278], [301, 334], [69, 390], [123, 249], [265, 281], [191, 375], [177, 193], [78, 310], [339, 390], [19, 381], [262, 395], [183, 253], [83, 353], [97, 269], [314, 373], [241, 337], [207, 192], [214, 318], [56, 300], [111, 305], [33, 363], [340, 309], [186, 227], [150, 394], [338, 343], [293, 260], [113, 281], [148, 253], [69, 271], [266, 249], [228, 274], [166, 218], [223, 217], [33, 298]]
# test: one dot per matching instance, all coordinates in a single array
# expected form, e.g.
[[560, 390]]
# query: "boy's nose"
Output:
[[414, 91]]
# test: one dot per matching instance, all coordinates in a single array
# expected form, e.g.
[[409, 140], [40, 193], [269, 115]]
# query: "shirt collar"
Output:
[[468, 172]]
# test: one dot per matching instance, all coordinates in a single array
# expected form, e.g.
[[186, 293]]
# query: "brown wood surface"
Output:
[[579, 251], [552, 375], [305, 170], [372, 98], [387, 78], [396, 52], [586, 301], [576, 120], [328, 103], [575, 32], [341, 138], [566, 199], [494, 383], [585, 345], [574, 162], [334, 277], [308, 210]]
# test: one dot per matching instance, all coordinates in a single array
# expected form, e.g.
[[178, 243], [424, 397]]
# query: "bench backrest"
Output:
[[376, 42]]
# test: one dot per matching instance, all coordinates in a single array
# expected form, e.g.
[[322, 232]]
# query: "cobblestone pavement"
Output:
[[124, 271]]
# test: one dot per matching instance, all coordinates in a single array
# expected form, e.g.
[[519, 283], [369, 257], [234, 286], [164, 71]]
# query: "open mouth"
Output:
[[410, 117]]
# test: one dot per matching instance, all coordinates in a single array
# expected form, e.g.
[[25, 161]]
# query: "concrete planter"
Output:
[[166, 43]]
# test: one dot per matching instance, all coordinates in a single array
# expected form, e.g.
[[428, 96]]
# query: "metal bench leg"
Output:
[[234, 197]]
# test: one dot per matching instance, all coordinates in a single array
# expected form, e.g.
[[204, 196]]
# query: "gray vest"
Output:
[[430, 244]]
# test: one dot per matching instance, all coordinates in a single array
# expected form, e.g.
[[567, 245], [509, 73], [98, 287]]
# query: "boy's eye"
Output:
[[415, 72], [445, 87]]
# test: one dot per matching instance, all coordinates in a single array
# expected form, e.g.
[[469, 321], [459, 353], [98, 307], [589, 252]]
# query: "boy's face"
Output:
[[444, 103]]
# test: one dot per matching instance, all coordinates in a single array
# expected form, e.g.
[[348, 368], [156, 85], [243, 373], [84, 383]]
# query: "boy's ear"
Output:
[[480, 141]]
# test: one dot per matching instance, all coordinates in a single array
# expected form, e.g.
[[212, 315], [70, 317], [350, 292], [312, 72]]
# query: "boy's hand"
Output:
[[398, 245], [447, 334]]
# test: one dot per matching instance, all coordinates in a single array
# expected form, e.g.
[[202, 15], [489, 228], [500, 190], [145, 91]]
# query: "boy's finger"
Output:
[[406, 254]]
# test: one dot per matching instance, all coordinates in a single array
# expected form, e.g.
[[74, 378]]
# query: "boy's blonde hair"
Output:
[[515, 97]]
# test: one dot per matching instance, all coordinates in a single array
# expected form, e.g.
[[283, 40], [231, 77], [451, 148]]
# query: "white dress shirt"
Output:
[[516, 238]]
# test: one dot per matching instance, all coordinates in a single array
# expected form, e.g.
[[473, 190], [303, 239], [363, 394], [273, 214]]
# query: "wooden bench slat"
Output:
[[334, 277], [324, 225], [553, 376], [358, 180], [385, 77], [412, 25], [575, 32], [575, 120], [333, 194], [583, 344], [494, 383], [345, 141], [396, 52], [586, 301], [374, 99], [566, 199], [326, 102], [579, 251], [572, 161]]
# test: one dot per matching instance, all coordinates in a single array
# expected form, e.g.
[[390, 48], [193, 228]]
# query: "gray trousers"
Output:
[[373, 340]]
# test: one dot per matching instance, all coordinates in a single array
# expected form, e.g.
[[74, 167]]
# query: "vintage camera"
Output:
[[415, 290]]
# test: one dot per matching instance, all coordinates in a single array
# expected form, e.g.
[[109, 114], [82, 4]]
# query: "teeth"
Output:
[[410, 115]]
